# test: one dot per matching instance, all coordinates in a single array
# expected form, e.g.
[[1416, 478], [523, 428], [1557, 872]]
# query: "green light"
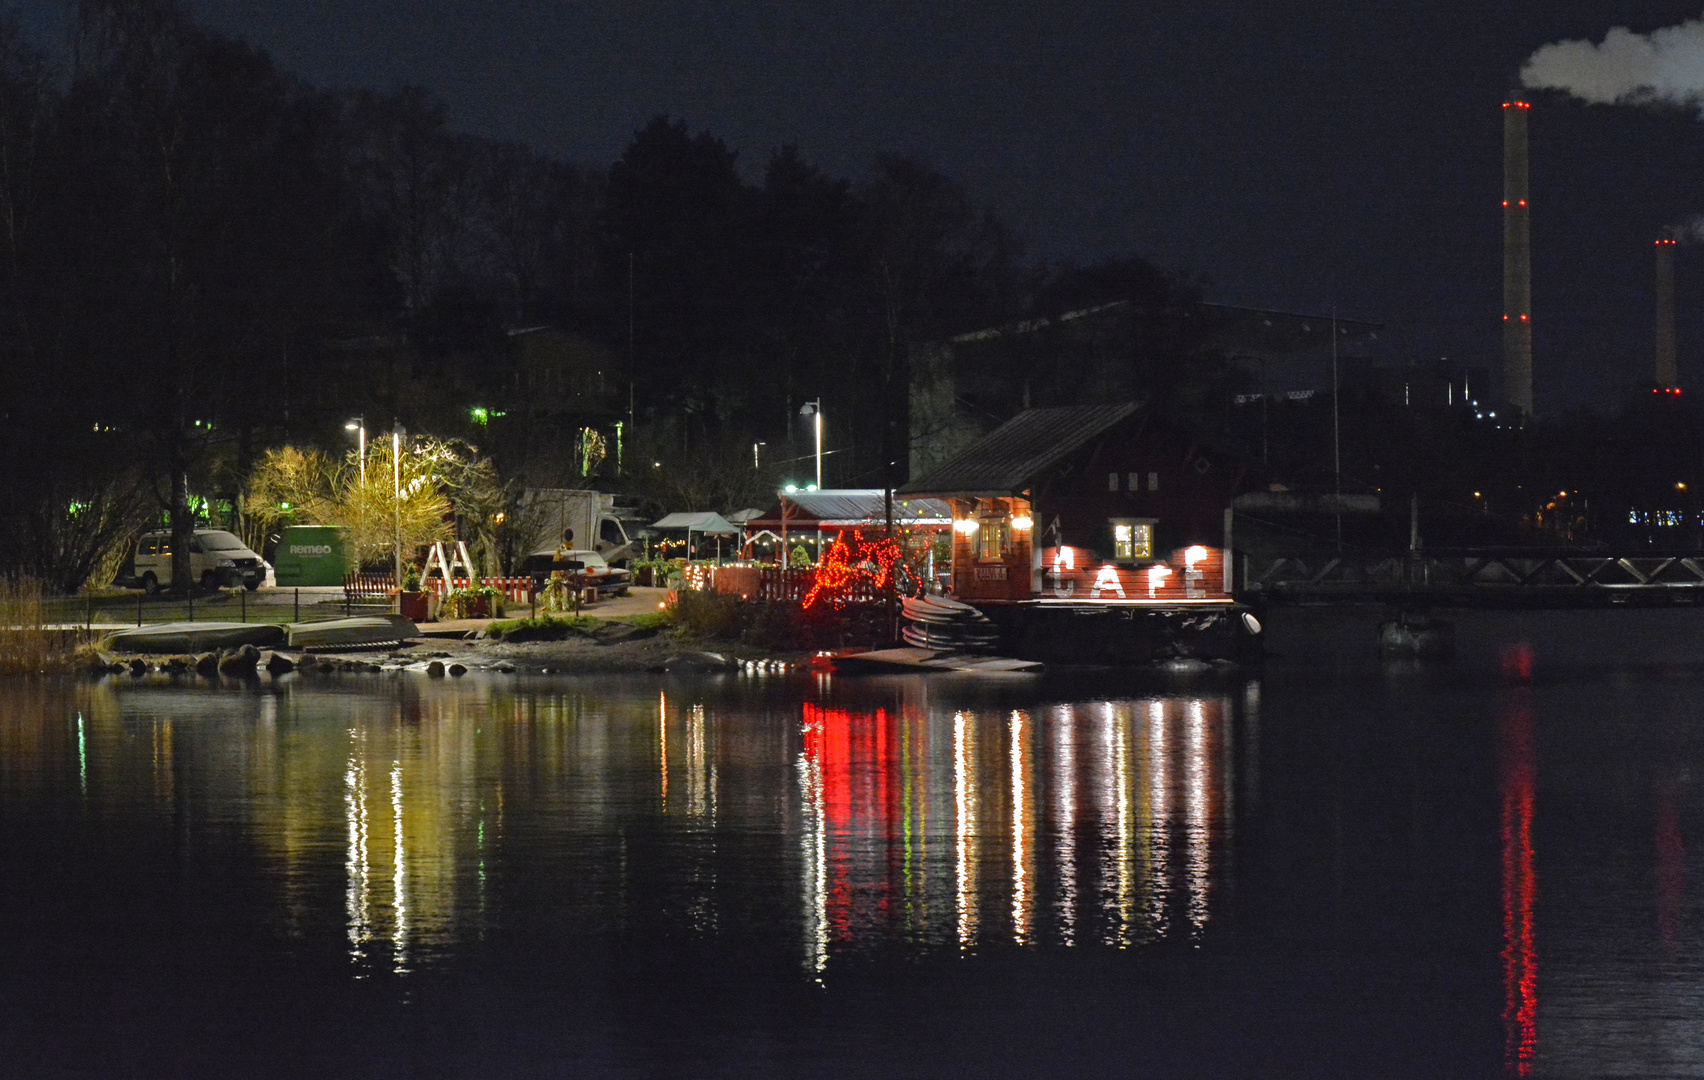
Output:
[[283, 506], [791, 488], [82, 756], [480, 416]]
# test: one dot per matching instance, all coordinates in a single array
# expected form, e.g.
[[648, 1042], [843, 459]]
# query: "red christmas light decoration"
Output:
[[845, 565]]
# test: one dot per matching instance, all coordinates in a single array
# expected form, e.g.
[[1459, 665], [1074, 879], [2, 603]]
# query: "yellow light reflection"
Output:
[[814, 859], [1122, 907], [399, 878], [357, 865], [964, 801], [1158, 825], [1021, 816], [1065, 817], [663, 743], [1196, 822]]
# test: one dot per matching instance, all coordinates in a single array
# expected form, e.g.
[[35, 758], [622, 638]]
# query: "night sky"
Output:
[[1296, 156]]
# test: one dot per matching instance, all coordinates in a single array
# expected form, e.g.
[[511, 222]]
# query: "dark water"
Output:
[[1341, 868]]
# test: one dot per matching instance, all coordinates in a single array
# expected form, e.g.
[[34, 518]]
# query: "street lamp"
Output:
[[814, 409], [359, 426], [396, 506], [755, 467]]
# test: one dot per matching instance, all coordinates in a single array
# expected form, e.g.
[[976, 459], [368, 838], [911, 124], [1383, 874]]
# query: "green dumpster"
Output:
[[310, 555]]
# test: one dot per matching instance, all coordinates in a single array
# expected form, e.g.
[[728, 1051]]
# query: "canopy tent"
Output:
[[839, 509], [702, 521]]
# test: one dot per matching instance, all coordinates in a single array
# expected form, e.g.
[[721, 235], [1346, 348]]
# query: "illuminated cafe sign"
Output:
[[1073, 573]]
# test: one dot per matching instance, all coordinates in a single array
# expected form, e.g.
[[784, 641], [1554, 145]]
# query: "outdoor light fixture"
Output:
[[967, 526], [813, 409], [1193, 555], [1157, 577], [1022, 522], [791, 489], [359, 426]]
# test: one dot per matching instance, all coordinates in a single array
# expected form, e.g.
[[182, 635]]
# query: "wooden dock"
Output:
[[908, 659]]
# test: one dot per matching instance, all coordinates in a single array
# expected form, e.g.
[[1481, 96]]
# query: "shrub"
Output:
[[460, 603], [27, 647]]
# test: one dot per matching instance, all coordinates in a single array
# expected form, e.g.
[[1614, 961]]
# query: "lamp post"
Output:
[[813, 409], [359, 426], [396, 506], [755, 467]]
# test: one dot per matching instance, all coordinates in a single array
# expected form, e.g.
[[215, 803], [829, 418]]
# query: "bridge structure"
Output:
[[1473, 577]]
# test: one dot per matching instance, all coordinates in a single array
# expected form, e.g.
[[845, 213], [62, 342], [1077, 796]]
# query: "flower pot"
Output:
[[414, 606]]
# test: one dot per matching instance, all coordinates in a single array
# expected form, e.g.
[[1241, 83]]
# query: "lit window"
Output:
[[1135, 481], [1132, 540], [1153, 481], [1112, 481], [992, 538]]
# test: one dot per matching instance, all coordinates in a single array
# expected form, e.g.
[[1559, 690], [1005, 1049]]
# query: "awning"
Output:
[[703, 521]]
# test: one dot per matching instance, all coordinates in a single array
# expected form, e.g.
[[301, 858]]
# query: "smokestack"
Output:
[[1666, 374], [1517, 261]]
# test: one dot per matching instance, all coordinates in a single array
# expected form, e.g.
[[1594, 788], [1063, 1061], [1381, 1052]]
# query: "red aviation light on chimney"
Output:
[[1523, 318]]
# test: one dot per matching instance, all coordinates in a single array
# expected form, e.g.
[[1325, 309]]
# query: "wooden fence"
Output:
[[771, 584], [518, 589]]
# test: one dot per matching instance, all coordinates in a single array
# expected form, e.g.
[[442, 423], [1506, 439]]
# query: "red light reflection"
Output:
[[1520, 955]]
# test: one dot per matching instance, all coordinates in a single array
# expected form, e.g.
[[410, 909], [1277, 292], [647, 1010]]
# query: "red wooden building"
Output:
[[1083, 510]]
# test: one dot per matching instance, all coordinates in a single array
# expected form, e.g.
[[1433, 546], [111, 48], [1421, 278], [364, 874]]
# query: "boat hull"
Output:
[[196, 637]]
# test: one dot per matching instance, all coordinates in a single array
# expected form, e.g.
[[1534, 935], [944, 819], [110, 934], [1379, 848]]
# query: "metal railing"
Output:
[[228, 605], [1517, 575]]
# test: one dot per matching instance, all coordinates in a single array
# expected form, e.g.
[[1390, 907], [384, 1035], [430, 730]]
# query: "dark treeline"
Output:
[[202, 257]]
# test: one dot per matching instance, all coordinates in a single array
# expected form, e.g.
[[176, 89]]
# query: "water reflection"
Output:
[[404, 819], [981, 814], [1520, 960]]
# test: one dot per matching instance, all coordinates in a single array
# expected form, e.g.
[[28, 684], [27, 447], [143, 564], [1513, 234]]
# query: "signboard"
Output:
[[310, 555], [1194, 573]]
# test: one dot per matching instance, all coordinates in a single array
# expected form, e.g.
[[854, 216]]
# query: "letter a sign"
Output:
[[1106, 580]]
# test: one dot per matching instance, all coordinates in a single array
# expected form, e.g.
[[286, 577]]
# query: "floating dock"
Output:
[[908, 659]]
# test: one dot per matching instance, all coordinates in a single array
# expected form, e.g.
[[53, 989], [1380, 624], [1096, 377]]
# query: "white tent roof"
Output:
[[703, 521]]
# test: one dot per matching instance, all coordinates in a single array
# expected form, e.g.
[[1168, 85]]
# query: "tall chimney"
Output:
[[1666, 374], [1517, 261]]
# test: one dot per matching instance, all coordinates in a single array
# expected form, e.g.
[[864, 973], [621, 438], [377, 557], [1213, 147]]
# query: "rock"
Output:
[[207, 664], [138, 666], [457, 671], [279, 664], [241, 661], [504, 666], [435, 669], [177, 665]]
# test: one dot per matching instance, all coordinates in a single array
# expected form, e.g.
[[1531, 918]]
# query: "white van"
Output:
[[216, 559]]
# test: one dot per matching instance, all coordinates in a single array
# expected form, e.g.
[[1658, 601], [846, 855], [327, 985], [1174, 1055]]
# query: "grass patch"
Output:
[[649, 620], [542, 628]]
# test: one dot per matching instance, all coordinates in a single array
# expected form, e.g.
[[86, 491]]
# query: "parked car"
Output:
[[216, 559], [587, 565]]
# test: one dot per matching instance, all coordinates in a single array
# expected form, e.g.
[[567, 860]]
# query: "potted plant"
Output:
[[476, 602], [412, 603]]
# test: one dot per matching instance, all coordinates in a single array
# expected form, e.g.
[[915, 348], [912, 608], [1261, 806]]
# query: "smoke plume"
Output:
[[1665, 66]]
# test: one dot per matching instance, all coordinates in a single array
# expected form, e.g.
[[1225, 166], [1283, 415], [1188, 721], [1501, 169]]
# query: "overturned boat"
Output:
[[359, 632], [194, 637]]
